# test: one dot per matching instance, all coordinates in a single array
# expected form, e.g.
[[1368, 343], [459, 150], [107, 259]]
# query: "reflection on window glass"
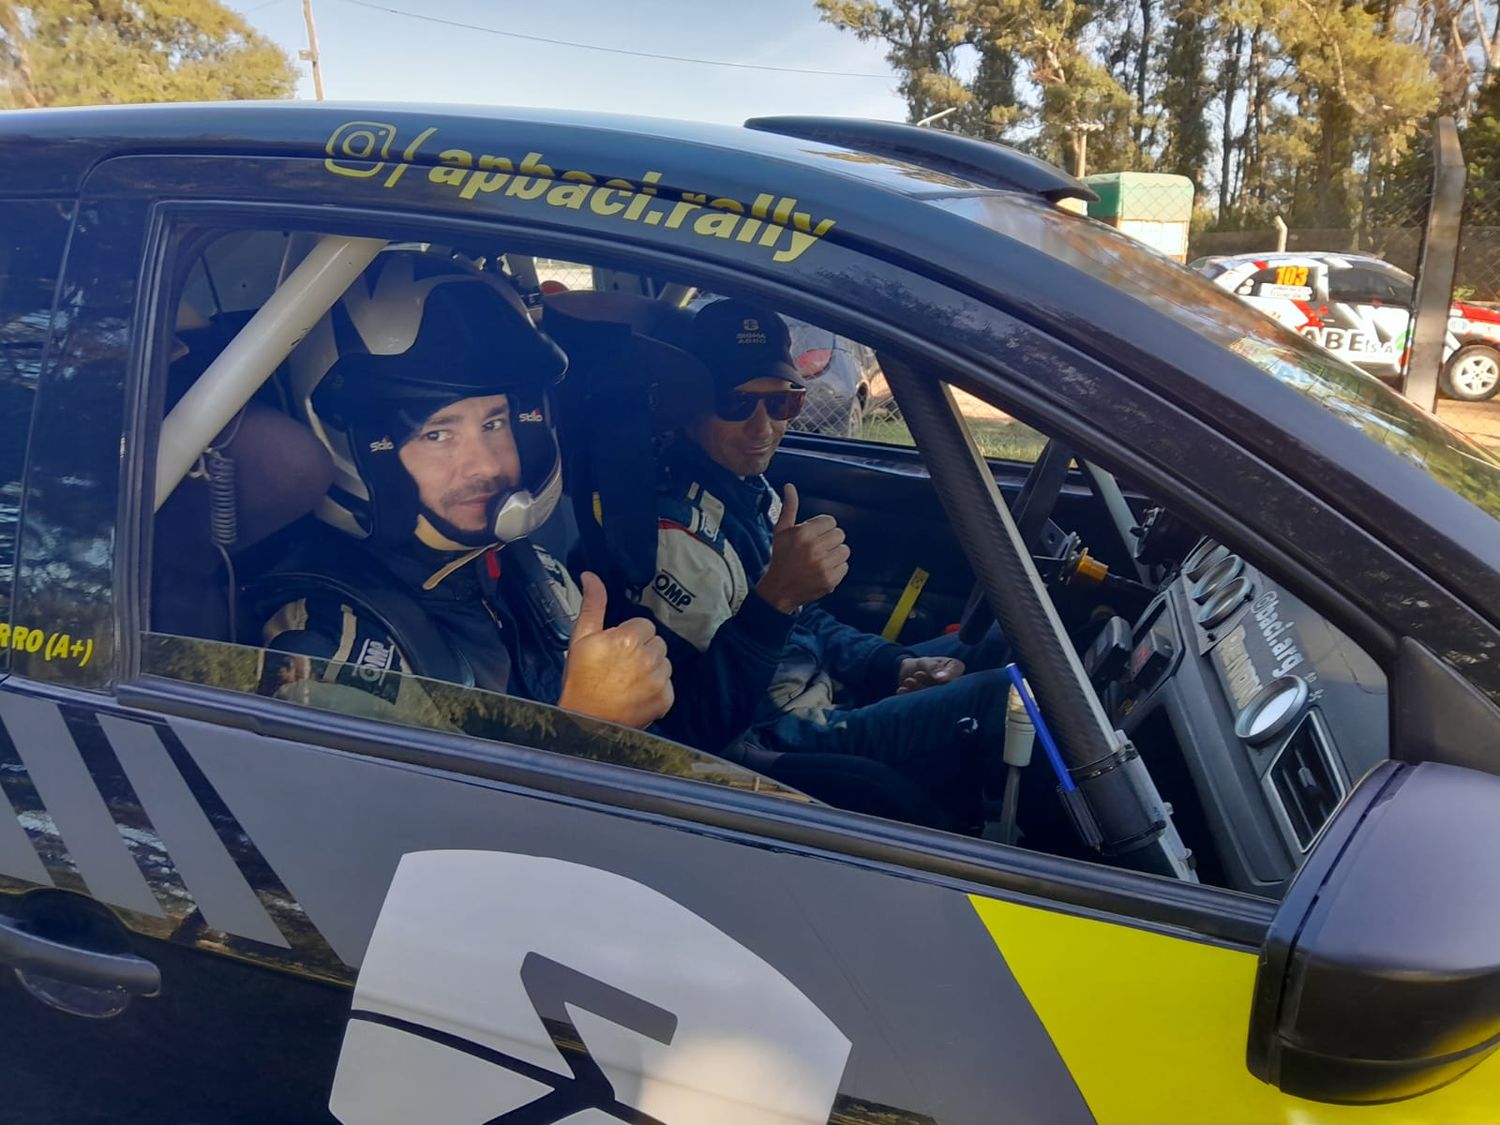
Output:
[[436, 705], [1358, 399], [31, 237]]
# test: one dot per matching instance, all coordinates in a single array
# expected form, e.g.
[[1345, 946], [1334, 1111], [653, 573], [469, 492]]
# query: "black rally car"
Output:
[[1254, 593]]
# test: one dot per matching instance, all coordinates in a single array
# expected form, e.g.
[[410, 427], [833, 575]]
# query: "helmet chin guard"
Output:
[[522, 511]]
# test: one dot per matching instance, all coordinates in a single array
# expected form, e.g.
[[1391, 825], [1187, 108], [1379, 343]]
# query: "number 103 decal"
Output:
[[514, 989]]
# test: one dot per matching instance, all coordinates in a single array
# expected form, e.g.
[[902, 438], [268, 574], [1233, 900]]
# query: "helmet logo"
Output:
[[384, 445], [531, 416]]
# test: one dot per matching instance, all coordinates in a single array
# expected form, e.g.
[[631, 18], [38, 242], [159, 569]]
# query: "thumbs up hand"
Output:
[[808, 560], [620, 674]]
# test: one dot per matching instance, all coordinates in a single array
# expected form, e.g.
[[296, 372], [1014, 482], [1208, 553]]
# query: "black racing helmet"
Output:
[[414, 333]]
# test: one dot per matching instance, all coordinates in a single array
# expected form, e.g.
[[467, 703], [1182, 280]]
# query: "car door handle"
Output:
[[22, 949]]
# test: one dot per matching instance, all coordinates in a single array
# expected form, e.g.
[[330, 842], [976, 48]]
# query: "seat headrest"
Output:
[[616, 347], [642, 315]]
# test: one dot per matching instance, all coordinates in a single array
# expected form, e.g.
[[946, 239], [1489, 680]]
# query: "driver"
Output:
[[428, 383], [759, 664]]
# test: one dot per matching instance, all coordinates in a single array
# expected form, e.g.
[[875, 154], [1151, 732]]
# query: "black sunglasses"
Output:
[[781, 406]]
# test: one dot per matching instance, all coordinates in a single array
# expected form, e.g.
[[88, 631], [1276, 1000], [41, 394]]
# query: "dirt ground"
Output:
[[1480, 420]]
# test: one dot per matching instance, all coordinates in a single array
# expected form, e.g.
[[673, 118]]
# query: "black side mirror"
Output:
[[1380, 977]]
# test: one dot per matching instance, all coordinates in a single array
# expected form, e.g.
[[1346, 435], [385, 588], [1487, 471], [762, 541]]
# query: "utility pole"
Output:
[[311, 53], [1081, 131]]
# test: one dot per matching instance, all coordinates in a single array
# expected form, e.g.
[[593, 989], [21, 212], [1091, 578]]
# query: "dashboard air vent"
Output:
[[1306, 782]]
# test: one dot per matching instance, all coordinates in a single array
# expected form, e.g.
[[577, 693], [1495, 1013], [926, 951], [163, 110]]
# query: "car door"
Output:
[[1374, 318], [195, 873]]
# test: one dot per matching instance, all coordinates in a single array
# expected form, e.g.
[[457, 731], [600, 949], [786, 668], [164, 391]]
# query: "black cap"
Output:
[[738, 342]]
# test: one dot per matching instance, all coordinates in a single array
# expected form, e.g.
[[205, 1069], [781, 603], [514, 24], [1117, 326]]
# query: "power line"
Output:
[[612, 50]]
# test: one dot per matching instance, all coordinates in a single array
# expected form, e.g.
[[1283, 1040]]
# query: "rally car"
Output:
[[1246, 873], [1359, 308]]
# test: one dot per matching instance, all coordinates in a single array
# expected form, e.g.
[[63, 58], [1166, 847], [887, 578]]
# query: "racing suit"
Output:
[[749, 676], [498, 619]]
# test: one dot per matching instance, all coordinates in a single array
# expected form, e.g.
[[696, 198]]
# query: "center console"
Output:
[[1272, 712]]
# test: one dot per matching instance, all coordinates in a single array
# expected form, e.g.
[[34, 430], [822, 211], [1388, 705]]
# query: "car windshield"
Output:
[[1360, 400]]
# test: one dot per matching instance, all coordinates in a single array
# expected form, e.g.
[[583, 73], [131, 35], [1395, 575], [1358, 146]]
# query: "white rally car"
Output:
[[1359, 308]]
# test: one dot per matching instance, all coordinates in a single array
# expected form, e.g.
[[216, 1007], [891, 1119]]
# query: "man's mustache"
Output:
[[477, 490]]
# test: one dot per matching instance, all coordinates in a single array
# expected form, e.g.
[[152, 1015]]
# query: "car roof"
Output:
[[1327, 257], [51, 149], [1009, 247]]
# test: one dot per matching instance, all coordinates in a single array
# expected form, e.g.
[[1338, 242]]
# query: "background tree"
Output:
[[1298, 107], [91, 52], [1187, 91], [922, 38]]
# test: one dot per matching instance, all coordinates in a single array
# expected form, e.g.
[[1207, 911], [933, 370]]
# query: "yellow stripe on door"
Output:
[[1153, 1028]]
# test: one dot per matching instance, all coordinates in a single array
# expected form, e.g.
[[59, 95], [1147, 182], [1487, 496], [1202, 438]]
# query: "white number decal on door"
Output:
[[517, 990]]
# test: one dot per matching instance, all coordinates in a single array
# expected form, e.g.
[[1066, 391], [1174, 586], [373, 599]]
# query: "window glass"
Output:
[[1359, 284], [288, 575], [435, 705], [31, 241], [1449, 457], [555, 275]]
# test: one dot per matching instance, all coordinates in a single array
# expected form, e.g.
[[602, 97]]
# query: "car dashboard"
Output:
[[1255, 714]]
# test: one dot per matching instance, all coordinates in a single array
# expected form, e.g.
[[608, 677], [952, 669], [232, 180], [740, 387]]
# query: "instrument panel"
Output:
[[1274, 712]]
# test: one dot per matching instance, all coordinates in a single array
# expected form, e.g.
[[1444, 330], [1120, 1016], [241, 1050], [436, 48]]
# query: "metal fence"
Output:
[[1477, 276], [1387, 219]]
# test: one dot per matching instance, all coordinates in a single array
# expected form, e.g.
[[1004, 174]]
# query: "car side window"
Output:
[[259, 554], [344, 688], [1362, 285], [31, 242]]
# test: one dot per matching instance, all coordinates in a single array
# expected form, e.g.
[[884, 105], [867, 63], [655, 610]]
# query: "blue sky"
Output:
[[375, 55]]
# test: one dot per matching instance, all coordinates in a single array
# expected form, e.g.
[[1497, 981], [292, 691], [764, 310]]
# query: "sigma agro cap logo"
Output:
[[498, 985], [750, 333]]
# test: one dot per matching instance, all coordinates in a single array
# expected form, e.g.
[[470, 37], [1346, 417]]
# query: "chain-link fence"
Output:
[[1476, 280], [568, 275], [1386, 219]]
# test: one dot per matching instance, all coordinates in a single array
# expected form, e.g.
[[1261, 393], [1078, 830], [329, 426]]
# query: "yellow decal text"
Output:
[[49, 645], [366, 150]]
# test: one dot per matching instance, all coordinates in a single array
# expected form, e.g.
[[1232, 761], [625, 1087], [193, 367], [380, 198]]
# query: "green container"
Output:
[[1151, 196]]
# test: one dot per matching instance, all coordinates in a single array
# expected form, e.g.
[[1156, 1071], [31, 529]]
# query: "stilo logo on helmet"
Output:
[[414, 334]]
